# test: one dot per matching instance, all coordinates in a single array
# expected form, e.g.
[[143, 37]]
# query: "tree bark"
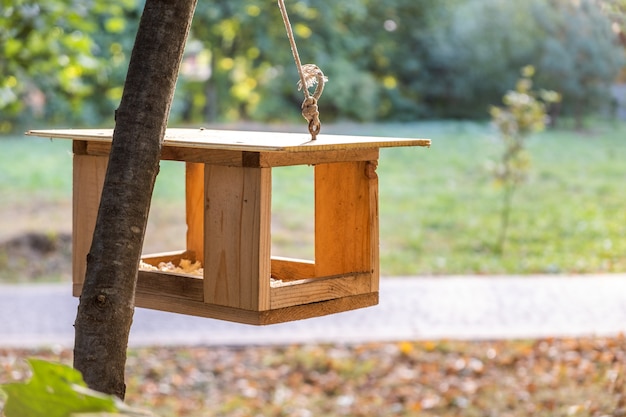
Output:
[[106, 305]]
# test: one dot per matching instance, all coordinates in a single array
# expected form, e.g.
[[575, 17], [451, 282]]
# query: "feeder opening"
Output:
[[293, 212], [167, 227]]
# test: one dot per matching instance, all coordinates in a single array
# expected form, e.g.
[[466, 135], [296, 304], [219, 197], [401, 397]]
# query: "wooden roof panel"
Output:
[[244, 140]]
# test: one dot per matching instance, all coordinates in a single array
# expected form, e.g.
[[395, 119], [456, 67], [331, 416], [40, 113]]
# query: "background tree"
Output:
[[477, 47], [475, 54], [579, 55], [523, 114]]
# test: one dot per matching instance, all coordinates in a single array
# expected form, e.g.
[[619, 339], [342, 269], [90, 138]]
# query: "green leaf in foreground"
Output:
[[54, 390]]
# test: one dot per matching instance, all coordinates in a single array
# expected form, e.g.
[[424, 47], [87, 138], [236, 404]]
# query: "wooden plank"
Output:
[[373, 223], [209, 156], [187, 287], [278, 159], [176, 153], [77, 289], [244, 141], [88, 180], [322, 308], [174, 257], [195, 308], [248, 159], [194, 203], [290, 269], [97, 148], [237, 229], [79, 147], [346, 213], [174, 304], [319, 289]]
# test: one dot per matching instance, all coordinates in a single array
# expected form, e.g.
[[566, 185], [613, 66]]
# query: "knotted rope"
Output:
[[310, 75]]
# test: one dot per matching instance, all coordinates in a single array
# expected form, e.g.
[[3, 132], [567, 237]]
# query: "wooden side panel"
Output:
[[314, 290], [247, 159], [88, 180], [237, 230], [276, 159], [322, 308], [169, 285], [346, 219], [174, 257], [179, 305], [290, 269], [374, 225], [194, 194]]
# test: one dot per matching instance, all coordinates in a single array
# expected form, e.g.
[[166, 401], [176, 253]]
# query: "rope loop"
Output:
[[310, 75]]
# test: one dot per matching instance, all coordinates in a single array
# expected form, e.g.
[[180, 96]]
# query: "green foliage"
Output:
[[395, 60], [523, 115], [616, 10], [477, 48], [578, 55], [474, 54], [251, 71], [56, 390], [53, 391], [59, 59]]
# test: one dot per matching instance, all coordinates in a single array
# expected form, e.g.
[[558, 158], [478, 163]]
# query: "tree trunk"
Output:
[[106, 305]]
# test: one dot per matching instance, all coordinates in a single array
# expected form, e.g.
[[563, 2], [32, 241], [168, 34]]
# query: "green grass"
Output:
[[36, 168], [439, 207]]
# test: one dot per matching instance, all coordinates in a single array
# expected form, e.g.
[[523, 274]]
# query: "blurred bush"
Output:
[[391, 60], [63, 61]]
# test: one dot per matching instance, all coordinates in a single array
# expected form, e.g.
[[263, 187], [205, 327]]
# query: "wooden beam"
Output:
[[174, 257], [194, 204], [88, 179], [318, 289], [237, 237], [290, 269]]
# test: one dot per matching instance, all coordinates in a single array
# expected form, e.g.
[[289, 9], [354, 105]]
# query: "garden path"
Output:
[[411, 308]]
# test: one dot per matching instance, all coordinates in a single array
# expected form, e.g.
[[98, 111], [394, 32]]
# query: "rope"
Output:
[[310, 75]]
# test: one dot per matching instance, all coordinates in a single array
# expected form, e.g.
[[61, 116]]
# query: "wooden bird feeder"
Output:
[[228, 214]]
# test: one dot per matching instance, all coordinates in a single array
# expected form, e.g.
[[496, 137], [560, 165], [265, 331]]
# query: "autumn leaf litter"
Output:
[[547, 377]]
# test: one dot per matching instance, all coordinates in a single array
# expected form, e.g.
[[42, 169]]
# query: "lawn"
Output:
[[439, 207]]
